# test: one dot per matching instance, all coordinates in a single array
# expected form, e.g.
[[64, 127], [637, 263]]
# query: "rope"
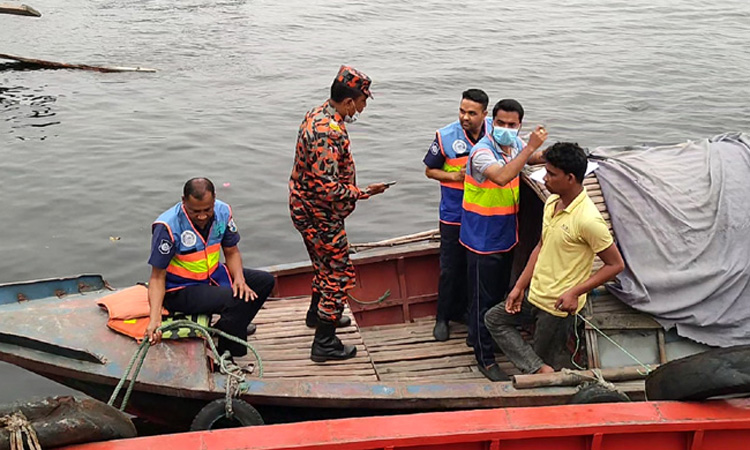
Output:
[[140, 355], [598, 378], [18, 425], [234, 378], [385, 295], [647, 368]]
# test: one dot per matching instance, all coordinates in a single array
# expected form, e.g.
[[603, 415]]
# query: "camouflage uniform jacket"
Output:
[[323, 180]]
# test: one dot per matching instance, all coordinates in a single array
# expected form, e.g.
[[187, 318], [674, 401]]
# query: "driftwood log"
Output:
[[19, 10], [56, 65], [576, 377]]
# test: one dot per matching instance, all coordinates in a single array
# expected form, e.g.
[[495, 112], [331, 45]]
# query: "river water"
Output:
[[89, 160]]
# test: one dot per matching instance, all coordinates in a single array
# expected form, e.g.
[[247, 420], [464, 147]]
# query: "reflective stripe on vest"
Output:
[[455, 146], [196, 266], [489, 222], [454, 165]]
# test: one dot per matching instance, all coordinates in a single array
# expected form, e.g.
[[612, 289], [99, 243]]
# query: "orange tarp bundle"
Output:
[[129, 311]]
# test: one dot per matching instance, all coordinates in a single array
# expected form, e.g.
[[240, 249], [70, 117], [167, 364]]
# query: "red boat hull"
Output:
[[624, 426]]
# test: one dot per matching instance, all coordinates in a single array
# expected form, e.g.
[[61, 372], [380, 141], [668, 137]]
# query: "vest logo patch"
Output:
[[232, 226], [434, 148], [459, 146], [165, 246], [188, 238]]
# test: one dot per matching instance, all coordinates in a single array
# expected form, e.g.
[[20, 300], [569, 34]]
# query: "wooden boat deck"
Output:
[[283, 343], [398, 352]]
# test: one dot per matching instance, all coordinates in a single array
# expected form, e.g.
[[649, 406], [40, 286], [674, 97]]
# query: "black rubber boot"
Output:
[[326, 346], [441, 332], [312, 315]]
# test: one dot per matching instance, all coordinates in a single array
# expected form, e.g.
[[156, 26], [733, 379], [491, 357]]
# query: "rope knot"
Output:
[[18, 425]]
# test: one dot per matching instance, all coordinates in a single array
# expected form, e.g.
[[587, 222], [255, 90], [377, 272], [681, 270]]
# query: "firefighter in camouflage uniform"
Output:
[[322, 193]]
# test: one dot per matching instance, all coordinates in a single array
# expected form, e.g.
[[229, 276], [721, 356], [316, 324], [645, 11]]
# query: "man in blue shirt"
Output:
[[186, 274], [446, 163]]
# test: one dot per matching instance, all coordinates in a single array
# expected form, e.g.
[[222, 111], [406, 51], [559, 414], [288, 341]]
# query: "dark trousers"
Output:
[[236, 314], [488, 279], [550, 336], [452, 300]]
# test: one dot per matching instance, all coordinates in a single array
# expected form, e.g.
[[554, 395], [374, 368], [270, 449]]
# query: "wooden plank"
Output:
[[624, 322], [59, 65], [429, 348], [410, 354], [19, 10], [661, 340], [427, 364], [443, 377]]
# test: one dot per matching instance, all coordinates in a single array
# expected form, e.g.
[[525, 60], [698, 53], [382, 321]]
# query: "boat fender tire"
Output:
[[597, 393], [720, 371], [208, 417]]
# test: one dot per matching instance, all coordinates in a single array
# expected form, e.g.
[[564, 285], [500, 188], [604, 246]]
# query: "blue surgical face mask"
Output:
[[504, 136]]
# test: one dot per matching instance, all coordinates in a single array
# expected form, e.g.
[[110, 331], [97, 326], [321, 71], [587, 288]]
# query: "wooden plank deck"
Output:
[[409, 352], [399, 352], [283, 342]]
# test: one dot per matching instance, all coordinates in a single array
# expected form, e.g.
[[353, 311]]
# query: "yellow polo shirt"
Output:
[[570, 240]]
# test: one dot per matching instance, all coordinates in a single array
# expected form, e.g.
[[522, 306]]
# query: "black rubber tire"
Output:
[[596, 393], [213, 416], [721, 371]]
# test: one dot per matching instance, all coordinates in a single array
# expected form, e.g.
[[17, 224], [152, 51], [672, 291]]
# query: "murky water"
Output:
[[87, 157]]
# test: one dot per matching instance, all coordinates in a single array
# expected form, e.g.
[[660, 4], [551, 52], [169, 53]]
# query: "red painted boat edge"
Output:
[[599, 426]]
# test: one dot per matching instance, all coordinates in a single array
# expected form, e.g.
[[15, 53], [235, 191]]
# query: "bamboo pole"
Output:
[[57, 65], [416, 237], [576, 377], [19, 10]]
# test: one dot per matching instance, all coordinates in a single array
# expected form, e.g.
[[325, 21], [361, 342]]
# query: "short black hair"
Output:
[[568, 157], [508, 105], [197, 188], [340, 92], [478, 96]]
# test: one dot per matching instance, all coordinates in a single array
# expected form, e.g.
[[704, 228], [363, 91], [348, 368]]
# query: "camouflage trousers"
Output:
[[333, 271]]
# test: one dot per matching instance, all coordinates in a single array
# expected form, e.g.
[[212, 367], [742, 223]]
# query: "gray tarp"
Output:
[[681, 214]]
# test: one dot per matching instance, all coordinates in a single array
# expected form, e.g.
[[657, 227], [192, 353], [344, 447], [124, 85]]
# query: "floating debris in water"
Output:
[[227, 184], [114, 238], [637, 106]]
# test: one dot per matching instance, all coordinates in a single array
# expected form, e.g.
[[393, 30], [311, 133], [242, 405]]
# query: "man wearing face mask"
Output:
[[322, 193], [446, 163], [489, 226]]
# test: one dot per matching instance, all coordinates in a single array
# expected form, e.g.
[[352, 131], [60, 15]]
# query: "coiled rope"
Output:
[[140, 355]]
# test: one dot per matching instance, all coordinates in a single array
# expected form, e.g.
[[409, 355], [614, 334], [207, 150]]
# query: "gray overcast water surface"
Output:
[[87, 156]]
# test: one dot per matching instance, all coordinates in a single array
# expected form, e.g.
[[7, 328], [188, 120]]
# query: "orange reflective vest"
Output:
[[489, 223], [196, 260]]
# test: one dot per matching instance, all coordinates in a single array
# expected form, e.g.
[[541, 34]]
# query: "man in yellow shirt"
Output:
[[559, 268]]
